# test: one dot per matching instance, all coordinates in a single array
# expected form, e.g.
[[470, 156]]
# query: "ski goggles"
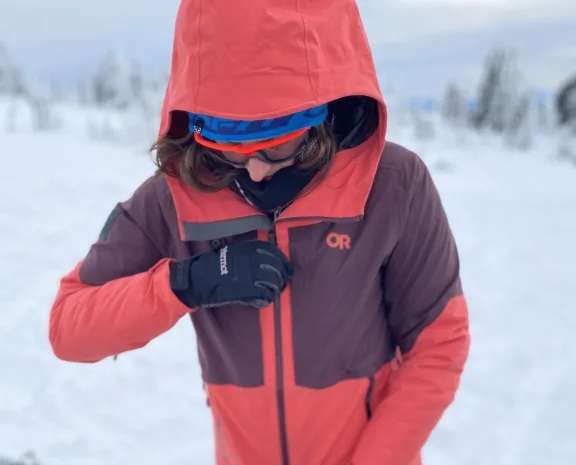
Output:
[[273, 141], [273, 151]]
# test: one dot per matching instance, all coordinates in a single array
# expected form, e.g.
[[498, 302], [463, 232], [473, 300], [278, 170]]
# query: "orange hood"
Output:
[[254, 59]]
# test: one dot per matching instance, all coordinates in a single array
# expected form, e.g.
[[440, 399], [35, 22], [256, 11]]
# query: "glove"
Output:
[[249, 273]]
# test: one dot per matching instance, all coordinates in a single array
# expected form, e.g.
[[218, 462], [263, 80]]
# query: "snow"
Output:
[[514, 218], [147, 407]]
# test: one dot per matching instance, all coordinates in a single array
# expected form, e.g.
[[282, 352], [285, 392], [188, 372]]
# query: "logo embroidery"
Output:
[[224, 261], [338, 241]]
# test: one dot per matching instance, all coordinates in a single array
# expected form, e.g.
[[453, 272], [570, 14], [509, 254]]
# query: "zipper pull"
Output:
[[272, 233]]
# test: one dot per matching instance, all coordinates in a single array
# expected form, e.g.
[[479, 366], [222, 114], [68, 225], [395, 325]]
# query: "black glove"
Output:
[[248, 273]]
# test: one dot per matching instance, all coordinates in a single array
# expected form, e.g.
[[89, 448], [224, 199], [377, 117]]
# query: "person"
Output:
[[313, 256]]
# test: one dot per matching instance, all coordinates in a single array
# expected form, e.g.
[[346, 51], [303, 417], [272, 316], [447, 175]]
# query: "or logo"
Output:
[[338, 241], [224, 261]]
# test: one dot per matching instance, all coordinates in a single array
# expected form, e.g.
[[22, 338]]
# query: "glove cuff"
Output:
[[180, 275]]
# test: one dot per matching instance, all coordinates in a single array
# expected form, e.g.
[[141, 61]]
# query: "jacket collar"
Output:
[[342, 195]]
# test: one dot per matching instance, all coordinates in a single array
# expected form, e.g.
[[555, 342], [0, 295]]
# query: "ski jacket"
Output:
[[363, 352]]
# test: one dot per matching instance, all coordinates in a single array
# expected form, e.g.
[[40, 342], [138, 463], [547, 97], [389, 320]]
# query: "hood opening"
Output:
[[354, 118]]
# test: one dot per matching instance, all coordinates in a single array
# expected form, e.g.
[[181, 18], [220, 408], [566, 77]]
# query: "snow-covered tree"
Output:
[[423, 126], [566, 110], [11, 80], [453, 108], [520, 127], [44, 117], [566, 103], [136, 83], [111, 85], [5, 72], [497, 93], [29, 458]]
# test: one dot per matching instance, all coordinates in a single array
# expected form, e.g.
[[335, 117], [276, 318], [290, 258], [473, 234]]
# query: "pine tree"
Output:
[[110, 86], [497, 93], [566, 103]]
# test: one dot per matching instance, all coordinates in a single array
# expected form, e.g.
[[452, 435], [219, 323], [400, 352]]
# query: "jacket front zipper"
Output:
[[280, 400]]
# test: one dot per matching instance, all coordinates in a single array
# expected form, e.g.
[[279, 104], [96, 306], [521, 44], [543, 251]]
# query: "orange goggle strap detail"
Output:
[[249, 149]]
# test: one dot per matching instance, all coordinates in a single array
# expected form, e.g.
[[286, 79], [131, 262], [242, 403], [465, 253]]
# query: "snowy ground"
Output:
[[514, 217]]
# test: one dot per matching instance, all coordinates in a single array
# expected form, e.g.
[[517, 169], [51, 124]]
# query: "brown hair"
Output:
[[197, 166]]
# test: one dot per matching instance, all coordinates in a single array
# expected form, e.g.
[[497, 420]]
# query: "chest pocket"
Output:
[[338, 322], [334, 248]]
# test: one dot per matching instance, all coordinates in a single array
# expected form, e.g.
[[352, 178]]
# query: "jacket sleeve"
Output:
[[118, 298], [428, 316]]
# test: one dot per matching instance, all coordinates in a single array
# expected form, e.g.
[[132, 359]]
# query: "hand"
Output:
[[248, 273]]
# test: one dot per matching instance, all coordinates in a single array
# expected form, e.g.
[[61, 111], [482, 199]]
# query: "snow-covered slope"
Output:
[[514, 217]]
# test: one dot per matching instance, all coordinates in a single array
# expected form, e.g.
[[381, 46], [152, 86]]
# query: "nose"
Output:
[[258, 170]]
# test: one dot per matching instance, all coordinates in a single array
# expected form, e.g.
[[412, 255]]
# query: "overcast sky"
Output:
[[66, 38]]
